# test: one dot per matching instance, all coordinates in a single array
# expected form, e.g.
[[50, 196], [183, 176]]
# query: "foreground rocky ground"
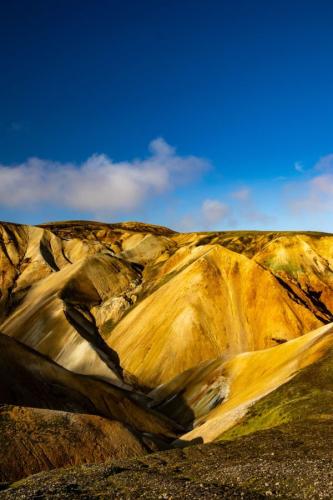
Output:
[[290, 461]]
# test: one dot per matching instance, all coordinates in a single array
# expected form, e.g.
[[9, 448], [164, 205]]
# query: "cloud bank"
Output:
[[158, 186], [98, 184]]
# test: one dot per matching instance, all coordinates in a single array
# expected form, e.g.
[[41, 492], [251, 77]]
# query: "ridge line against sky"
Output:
[[233, 100]]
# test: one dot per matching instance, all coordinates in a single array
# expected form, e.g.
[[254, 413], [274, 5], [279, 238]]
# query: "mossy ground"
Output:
[[308, 396]]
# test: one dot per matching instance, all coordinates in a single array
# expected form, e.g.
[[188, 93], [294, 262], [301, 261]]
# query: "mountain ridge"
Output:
[[167, 332]]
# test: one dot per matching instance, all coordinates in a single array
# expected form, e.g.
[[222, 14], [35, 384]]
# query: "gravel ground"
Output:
[[293, 461]]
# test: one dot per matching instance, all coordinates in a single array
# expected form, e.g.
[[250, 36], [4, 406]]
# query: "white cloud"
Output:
[[214, 211], [159, 147], [209, 215], [314, 195], [247, 208], [98, 184], [187, 222], [242, 194], [325, 163], [214, 214]]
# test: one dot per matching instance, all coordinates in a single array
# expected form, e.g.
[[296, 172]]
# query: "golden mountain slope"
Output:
[[41, 321], [99, 299], [219, 392], [137, 323], [208, 308]]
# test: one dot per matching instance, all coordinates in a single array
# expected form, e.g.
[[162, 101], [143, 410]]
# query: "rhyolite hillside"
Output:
[[118, 340]]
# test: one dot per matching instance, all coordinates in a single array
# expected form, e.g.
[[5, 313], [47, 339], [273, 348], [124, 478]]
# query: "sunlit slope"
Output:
[[40, 320], [219, 393], [212, 301], [131, 336], [302, 262], [137, 302], [305, 266], [306, 398], [59, 287], [13, 246]]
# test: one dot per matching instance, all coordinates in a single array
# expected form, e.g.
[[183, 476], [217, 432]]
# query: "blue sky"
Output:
[[193, 114]]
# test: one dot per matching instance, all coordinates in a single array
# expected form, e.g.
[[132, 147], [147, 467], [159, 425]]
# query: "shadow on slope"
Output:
[[31, 379], [50, 417]]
